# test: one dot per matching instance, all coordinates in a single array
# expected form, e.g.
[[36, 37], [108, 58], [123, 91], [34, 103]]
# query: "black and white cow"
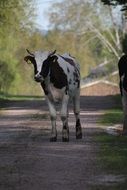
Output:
[[122, 66], [59, 76]]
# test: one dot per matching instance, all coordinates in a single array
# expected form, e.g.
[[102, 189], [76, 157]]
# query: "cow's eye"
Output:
[[29, 62]]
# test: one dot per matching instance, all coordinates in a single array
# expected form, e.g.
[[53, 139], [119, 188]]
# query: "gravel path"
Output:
[[28, 161]]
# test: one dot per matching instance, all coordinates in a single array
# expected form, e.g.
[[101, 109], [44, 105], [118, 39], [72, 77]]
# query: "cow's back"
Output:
[[72, 71]]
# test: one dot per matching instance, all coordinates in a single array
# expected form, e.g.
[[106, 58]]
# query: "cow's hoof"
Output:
[[65, 139], [79, 136], [53, 139]]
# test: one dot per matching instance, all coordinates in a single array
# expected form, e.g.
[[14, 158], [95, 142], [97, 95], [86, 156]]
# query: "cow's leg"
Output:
[[64, 118], [76, 103], [52, 111], [124, 103]]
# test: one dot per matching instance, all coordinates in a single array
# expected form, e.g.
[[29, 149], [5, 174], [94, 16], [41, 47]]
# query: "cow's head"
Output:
[[41, 61]]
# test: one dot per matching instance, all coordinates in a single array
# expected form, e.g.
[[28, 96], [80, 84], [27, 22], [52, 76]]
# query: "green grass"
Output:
[[111, 117], [113, 149], [112, 156], [112, 159], [113, 153], [5, 99], [4, 96]]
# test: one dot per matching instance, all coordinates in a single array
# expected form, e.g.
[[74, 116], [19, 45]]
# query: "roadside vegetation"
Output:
[[112, 158], [114, 115], [113, 149], [89, 30]]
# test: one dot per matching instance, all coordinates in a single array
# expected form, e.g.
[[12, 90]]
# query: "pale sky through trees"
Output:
[[42, 7]]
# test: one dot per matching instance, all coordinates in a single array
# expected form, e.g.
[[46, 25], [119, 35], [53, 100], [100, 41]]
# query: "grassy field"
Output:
[[113, 153], [112, 117], [113, 149], [4, 96], [112, 158]]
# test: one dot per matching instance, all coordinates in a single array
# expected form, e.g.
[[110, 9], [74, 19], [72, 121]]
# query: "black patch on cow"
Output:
[[70, 81], [78, 123], [76, 78], [122, 66], [45, 67], [68, 70], [125, 83], [44, 88], [57, 75], [65, 126], [76, 72], [68, 60], [33, 61], [78, 129]]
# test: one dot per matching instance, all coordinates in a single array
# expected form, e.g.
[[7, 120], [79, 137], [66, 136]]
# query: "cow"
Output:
[[122, 66], [59, 77]]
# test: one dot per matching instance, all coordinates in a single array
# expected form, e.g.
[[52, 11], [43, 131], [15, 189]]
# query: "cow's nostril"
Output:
[[37, 77]]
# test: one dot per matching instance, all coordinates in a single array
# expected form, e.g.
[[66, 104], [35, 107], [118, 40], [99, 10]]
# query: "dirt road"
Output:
[[28, 161]]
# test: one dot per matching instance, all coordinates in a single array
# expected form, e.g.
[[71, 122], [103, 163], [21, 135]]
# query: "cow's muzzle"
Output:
[[38, 78]]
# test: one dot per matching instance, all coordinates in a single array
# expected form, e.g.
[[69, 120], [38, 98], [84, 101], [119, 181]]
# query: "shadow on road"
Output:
[[87, 103], [29, 161]]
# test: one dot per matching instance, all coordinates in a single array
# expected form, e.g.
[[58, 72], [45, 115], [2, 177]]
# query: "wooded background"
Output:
[[92, 31]]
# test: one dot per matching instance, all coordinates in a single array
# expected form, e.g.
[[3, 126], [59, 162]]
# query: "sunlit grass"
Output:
[[7, 98], [114, 116], [18, 97]]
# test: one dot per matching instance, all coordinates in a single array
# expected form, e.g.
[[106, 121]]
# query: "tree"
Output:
[[15, 20], [123, 3], [93, 25]]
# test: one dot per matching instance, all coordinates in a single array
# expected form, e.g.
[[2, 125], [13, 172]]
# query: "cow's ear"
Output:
[[30, 53], [28, 59]]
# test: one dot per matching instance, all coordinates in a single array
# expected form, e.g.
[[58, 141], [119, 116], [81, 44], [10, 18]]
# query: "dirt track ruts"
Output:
[[28, 161]]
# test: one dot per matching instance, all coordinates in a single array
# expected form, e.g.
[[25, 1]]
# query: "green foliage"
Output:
[[92, 23], [14, 18], [82, 28], [6, 76]]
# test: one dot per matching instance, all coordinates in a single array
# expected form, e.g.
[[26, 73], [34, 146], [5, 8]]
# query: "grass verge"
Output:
[[112, 117], [4, 96], [6, 99], [113, 149], [112, 156], [113, 153]]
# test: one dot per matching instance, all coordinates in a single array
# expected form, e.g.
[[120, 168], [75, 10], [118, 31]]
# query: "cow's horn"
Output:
[[52, 53], [30, 53]]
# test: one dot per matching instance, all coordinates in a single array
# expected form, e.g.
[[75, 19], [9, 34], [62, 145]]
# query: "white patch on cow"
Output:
[[56, 94], [40, 57]]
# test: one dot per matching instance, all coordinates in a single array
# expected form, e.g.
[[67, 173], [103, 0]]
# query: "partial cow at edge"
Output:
[[59, 76]]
